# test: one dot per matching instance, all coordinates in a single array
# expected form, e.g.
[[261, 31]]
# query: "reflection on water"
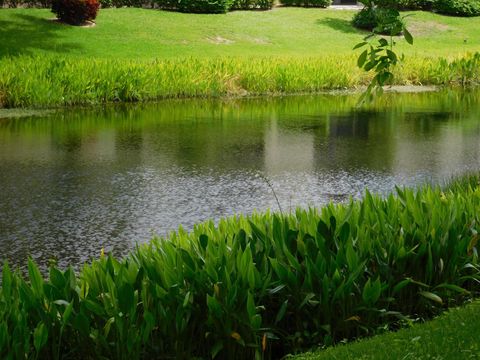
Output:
[[79, 180]]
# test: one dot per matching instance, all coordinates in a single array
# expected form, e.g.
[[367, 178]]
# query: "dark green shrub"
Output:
[[365, 19], [122, 3], [45, 3], [380, 20], [106, 3], [458, 7], [307, 3], [406, 4], [196, 6], [252, 4], [26, 3], [75, 12]]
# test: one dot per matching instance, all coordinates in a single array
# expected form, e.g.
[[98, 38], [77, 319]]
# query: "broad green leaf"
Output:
[[186, 300], [256, 322], [333, 224], [216, 349], [371, 291], [7, 280], [36, 279], [4, 338], [431, 296], [214, 306], [370, 65], [69, 276], [281, 312], [383, 42], [362, 58], [56, 278], [453, 287], [40, 336], [61, 302], [401, 285], [251, 309], [392, 56], [82, 324], [408, 36], [323, 230], [352, 258], [203, 239], [67, 313], [344, 232], [359, 45], [276, 289], [94, 307], [186, 257], [108, 325], [149, 321]]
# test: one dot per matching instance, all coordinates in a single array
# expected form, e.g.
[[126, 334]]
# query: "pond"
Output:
[[75, 181]]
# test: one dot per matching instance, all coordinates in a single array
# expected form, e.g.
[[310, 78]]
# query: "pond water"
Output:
[[74, 181]]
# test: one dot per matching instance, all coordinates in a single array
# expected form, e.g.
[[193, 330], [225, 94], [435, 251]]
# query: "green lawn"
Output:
[[451, 336], [146, 34]]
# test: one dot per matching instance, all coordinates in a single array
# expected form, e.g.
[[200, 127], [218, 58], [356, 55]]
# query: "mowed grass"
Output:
[[450, 336], [131, 33]]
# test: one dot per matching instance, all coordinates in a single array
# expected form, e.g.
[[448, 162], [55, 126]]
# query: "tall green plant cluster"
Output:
[[464, 73], [256, 286], [51, 81]]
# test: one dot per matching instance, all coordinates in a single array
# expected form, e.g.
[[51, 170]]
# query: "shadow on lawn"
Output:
[[342, 25], [24, 34]]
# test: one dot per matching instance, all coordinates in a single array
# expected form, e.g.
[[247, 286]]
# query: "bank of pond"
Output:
[[52, 81], [261, 286]]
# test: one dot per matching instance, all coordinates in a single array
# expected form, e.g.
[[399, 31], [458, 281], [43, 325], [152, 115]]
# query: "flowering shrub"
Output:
[[75, 12]]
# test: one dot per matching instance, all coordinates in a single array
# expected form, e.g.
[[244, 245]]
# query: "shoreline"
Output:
[[19, 112]]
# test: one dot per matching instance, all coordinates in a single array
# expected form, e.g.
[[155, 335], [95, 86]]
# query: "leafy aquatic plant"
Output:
[[256, 286]]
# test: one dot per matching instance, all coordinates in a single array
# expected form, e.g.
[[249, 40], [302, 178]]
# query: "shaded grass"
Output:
[[147, 34], [450, 336]]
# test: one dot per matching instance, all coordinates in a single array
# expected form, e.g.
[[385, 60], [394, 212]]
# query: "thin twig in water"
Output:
[[264, 178]]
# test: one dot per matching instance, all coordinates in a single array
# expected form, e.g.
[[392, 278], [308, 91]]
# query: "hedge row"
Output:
[[191, 6], [447, 7], [406, 4], [307, 3], [458, 7], [214, 6], [258, 286]]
